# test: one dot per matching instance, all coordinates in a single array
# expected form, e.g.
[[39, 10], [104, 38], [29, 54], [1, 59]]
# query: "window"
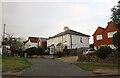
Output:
[[110, 34], [64, 38], [81, 40], [51, 50], [99, 37]]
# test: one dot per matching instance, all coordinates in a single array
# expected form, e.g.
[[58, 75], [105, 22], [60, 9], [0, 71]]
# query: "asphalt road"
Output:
[[51, 67]]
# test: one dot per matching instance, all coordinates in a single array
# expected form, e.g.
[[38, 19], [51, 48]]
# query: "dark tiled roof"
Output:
[[44, 39], [25, 41], [35, 39], [99, 28], [59, 44], [51, 45], [72, 32], [102, 28]]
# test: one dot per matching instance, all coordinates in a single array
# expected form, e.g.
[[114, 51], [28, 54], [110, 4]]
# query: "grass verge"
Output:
[[93, 66], [14, 64]]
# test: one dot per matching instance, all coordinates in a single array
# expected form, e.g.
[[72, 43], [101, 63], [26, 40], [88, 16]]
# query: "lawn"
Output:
[[93, 66], [14, 64], [0, 65]]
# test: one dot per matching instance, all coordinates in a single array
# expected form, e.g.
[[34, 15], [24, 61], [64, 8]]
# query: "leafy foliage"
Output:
[[116, 40], [35, 51], [40, 51], [116, 15], [15, 44], [5, 41], [31, 51], [103, 52], [116, 19]]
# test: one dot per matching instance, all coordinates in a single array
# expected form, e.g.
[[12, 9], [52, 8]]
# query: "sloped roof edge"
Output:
[[72, 32]]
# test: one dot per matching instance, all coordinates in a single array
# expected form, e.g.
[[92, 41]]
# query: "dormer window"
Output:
[[99, 37]]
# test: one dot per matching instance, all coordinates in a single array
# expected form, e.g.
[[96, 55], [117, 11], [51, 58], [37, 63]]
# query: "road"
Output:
[[51, 67]]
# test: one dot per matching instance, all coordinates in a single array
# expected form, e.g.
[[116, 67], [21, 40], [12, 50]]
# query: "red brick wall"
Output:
[[109, 28], [99, 31], [104, 32]]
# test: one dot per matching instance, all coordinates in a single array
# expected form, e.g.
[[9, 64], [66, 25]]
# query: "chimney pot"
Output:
[[65, 28]]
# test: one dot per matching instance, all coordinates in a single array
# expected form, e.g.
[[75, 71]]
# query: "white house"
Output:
[[69, 38], [31, 42], [35, 42]]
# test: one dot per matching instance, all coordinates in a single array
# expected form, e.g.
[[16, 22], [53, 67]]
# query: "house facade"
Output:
[[68, 38], [35, 42], [103, 36]]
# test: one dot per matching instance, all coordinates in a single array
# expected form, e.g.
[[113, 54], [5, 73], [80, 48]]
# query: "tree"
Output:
[[116, 40], [116, 15], [116, 37], [116, 19], [15, 44]]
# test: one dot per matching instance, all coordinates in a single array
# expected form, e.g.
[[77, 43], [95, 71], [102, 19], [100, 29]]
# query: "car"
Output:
[[88, 51]]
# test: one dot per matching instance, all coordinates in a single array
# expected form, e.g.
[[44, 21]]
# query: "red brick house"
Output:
[[35, 42], [103, 36]]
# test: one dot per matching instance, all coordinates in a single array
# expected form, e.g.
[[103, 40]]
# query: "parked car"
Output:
[[88, 51]]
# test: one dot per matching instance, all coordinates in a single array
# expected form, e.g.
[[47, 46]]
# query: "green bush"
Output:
[[40, 51], [35, 51], [103, 52], [31, 51]]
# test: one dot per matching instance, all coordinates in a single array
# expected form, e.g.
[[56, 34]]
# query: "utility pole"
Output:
[[4, 32], [3, 46]]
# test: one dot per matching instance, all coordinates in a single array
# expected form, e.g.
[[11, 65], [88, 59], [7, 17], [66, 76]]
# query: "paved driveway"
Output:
[[51, 67]]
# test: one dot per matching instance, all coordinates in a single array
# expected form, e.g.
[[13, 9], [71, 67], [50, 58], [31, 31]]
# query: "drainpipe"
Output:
[[70, 41]]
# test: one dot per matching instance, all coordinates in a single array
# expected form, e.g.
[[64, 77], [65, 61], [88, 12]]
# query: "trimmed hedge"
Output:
[[35, 51]]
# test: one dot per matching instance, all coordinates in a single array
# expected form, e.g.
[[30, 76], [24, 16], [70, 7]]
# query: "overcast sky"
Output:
[[46, 19]]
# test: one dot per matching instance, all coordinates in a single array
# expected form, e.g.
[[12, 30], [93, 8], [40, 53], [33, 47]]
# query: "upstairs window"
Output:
[[99, 37], [110, 34], [81, 40]]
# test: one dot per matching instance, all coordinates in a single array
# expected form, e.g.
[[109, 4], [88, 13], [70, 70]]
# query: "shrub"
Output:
[[35, 51], [103, 52], [40, 51], [31, 51]]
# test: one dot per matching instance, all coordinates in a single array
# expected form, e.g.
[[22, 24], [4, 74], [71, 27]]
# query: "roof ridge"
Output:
[[73, 32], [101, 27]]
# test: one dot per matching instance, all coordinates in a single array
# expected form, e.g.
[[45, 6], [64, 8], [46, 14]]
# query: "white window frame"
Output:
[[51, 50], [99, 37], [110, 34]]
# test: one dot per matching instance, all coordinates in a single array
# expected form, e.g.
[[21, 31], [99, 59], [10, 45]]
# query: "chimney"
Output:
[[65, 29]]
